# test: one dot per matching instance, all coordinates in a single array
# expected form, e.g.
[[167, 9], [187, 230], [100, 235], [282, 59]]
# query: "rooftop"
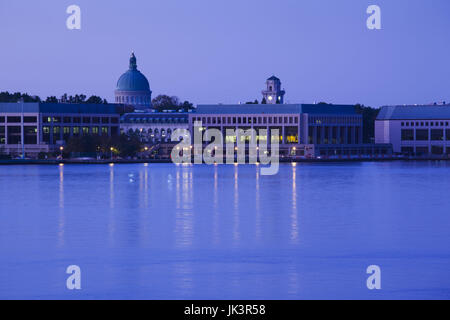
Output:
[[276, 109], [58, 108], [414, 112]]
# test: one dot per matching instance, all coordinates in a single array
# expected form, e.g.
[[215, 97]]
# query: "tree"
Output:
[[17, 96], [94, 100], [264, 101], [126, 146], [51, 99], [369, 116], [166, 103]]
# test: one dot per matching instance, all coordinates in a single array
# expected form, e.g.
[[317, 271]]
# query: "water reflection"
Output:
[[236, 217], [294, 214], [111, 217], [61, 217], [216, 236], [184, 224], [258, 205]]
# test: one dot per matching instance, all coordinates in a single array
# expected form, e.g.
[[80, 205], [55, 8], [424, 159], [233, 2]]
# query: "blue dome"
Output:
[[133, 79]]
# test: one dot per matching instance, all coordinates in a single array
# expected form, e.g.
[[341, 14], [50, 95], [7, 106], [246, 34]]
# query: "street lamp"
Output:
[[61, 150], [112, 149]]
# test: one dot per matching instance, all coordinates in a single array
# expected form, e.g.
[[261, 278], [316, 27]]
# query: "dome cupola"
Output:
[[133, 87]]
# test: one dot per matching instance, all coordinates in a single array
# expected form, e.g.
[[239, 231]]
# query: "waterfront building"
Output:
[[329, 130], [273, 94], [44, 127], [415, 130], [133, 88]]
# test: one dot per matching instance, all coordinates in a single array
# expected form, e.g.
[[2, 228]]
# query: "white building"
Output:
[[415, 130]]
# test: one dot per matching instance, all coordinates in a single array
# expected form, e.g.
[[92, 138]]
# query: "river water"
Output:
[[161, 231]]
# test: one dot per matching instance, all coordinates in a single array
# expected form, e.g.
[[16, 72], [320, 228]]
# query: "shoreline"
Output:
[[163, 161]]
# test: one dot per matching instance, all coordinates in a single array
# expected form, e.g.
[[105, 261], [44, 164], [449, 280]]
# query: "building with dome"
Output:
[[133, 88]]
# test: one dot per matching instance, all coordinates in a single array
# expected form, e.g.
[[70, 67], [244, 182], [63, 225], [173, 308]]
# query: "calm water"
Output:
[[203, 232]]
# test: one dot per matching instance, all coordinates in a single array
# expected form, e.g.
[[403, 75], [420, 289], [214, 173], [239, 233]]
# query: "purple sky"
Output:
[[216, 51]]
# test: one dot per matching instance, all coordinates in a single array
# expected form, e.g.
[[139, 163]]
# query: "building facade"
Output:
[[43, 127], [133, 88], [415, 130], [326, 129], [153, 127]]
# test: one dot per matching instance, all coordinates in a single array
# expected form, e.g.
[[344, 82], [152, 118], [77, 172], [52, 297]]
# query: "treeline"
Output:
[[121, 145], [78, 98]]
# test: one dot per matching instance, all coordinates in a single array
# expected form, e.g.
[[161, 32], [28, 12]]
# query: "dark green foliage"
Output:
[[17, 96], [123, 145], [78, 98], [166, 103], [369, 115]]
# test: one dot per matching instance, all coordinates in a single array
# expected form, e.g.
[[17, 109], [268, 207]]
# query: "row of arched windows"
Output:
[[146, 100]]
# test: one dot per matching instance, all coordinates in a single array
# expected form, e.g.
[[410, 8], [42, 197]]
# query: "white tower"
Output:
[[273, 93]]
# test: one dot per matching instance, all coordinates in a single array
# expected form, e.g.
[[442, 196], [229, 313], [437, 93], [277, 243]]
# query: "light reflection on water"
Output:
[[225, 232]]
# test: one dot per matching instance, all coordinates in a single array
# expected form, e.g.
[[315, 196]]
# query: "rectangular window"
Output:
[[422, 135], [291, 134], [30, 119], [46, 134], [67, 119], [95, 130], [14, 119], [76, 131], [97, 120], [30, 134], [2, 119], [105, 120], [408, 150], [420, 151], [56, 119], [349, 135], [310, 135], [66, 133], [86, 120], [104, 130], [437, 150], [407, 135], [447, 134], [85, 130], [2, 135], [437, 135], [77, 120]]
